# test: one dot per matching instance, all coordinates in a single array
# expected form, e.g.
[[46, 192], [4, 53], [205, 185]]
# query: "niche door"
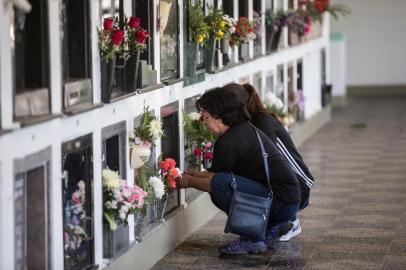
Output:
[[31, 212], [77, 192], [170, 144]]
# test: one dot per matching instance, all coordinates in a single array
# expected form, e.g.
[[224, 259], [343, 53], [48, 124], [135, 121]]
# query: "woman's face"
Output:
[[215, 126]]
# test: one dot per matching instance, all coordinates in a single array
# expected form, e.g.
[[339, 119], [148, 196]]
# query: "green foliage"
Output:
[[197, 25], [338, 9]]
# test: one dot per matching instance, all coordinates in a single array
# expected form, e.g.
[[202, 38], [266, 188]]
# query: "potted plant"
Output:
[[143, 138]]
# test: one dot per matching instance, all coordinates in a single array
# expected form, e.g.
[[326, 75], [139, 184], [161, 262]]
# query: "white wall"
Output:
[[376, 41]]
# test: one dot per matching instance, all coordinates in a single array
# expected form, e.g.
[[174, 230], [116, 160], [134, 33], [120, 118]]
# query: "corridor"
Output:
[[357, 214]]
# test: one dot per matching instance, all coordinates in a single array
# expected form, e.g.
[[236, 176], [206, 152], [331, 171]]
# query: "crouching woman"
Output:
[[237, 150]]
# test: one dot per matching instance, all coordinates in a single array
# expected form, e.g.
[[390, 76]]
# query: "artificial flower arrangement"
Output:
[[316, 8], [120, 199], [74, 233], [199, 141], [143, 138], [218, 23], [121, 41], [169, 172], [198, 28], [244, 32]]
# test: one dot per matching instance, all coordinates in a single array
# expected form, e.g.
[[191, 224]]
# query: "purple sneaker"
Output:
[[274, 233], [243, 246]]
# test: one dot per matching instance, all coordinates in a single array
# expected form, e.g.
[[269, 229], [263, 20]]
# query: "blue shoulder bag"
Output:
[[248, 214]]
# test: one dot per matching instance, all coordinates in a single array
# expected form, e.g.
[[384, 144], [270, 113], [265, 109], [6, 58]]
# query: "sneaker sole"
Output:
[[255, 251], [285, 237]]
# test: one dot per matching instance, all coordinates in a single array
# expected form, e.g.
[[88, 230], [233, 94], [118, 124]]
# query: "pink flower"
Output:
[[208, 144], [76, 198], [307, 28]]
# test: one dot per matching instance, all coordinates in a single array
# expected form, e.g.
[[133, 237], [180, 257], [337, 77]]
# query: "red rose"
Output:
[[141, 35], [197, 152], [134, 22], [117, 37], [108, 23], [208, 155]]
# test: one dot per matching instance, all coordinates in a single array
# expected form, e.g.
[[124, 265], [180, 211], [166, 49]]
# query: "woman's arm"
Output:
[[201, 183]]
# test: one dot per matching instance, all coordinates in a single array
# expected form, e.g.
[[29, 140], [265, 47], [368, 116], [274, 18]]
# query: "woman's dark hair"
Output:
[[223, 104], [247, 95]]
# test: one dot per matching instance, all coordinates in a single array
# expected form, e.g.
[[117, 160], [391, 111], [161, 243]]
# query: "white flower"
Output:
[[127, 193], [273, 100], [114, 205], [124, 209], [110, 178], [194, 116], [158, 186], [107, 204], [122, 215], [155, 127], [82, 185]]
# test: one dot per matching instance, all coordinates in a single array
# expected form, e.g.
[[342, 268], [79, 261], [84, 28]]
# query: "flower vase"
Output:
[[106, 78], [132, 72], [273, 40], [160, 206], [244, 51], [139, 155], [115, 242], [206, 163], [225, 45], [209, 55], [192, 48], [139, 223]]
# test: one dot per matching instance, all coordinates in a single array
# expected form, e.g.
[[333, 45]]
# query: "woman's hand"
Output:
[[183, 182]]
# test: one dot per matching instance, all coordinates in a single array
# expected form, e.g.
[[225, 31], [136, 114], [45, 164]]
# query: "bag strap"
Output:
[[265, 158]]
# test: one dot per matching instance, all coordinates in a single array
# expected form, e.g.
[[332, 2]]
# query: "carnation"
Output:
[[158, 186]]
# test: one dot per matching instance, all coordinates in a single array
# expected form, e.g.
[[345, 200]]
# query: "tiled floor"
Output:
[[357, 215]]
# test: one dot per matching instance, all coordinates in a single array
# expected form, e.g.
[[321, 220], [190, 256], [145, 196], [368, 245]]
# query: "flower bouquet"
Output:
[[135, 43], [199, 142], [198, 34], [143, 138], [75, 229], [120, 199], [111, 39], [244, 32], [274, 24], [169, 173]]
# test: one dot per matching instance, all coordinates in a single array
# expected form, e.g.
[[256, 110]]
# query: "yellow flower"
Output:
[[219, 34], [222, 24], [200, 38]]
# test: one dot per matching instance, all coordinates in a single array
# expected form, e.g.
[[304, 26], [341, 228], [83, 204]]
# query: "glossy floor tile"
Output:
[[357, 213]]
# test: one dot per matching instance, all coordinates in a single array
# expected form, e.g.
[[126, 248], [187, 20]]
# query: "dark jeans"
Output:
[[222, 193]]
